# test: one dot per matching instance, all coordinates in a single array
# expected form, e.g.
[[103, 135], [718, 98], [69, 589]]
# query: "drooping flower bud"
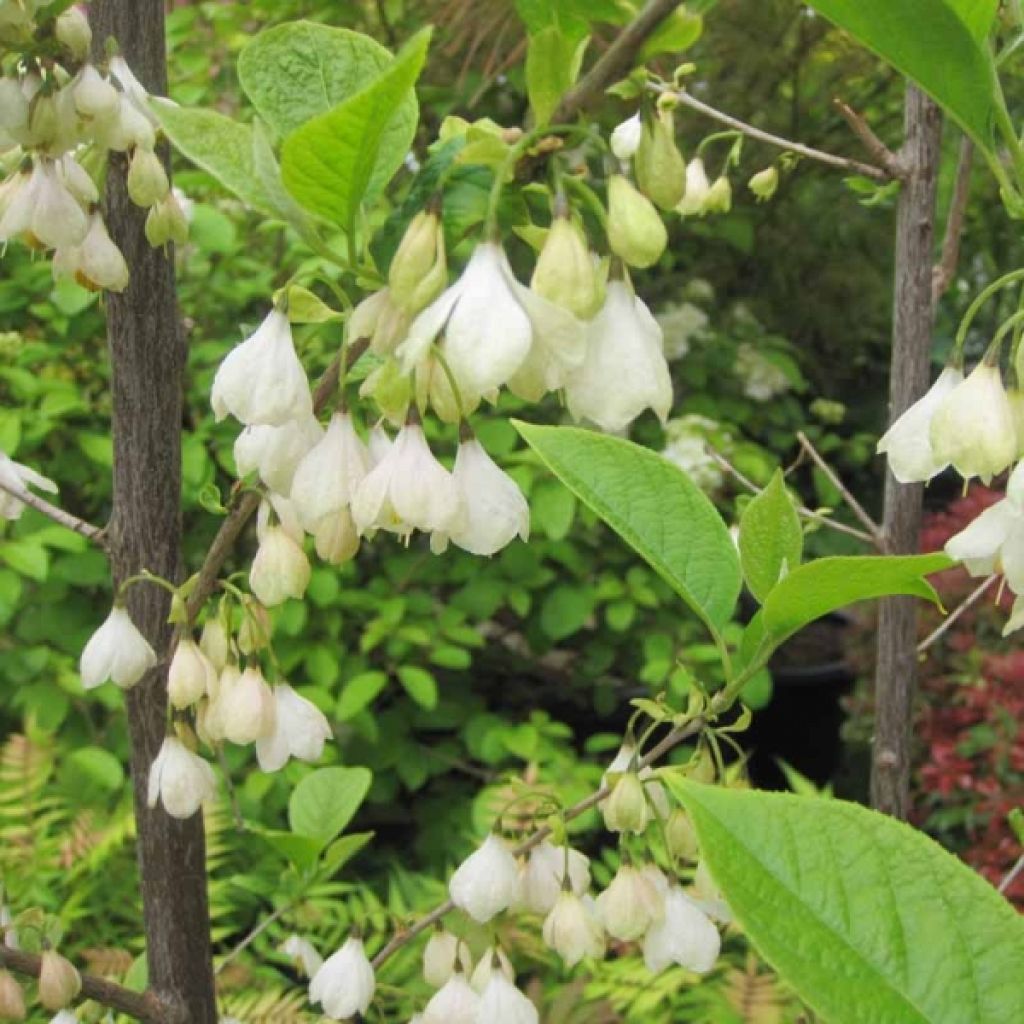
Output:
[[100, 264], [543, 873], [502, 1003], [973, 427], [680, 836], [696, 192], [419, 269], [57, 218], [565, 272], [166, 222], [443, 954], [180, 780], [116, 651], [719, 197], [684, 935], [280, 569], [59, 981], [329, 474], [630, 904], [636, 233], [659, 166], [486, 882], [191, 675], [625, 139], [626, 809], [300, 731], [303, 953], [147, 179], [493, 960], [246, 706], [213, 642], [764, 183], [254, 631], [345, 984], [392, 390], [12, 999], [572, 930], [73, 32], [454, 1003], [379, 318]]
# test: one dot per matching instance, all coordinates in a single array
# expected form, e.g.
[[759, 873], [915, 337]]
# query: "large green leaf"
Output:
[[771, 540], [333, 162], [323, 803], [654, 507], [869, 920], [553, 62], [822, 586], [934, 42], [219, 145]]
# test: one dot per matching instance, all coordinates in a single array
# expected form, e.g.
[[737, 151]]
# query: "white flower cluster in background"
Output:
[[59, 115], [686, 445], [762, 379]]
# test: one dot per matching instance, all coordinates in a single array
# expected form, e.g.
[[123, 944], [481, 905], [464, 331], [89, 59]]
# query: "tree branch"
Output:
[[616, 60], [972, 598], [237, 518], [58, 515], [843, 163], [943, 271], [672, 739], [145, 1006], [879, 151]]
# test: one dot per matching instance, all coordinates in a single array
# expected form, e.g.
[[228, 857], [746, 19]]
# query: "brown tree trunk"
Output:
[[910, 368], [147, 353]]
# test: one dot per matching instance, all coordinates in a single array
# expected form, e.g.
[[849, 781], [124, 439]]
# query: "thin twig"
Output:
[[58, 515], [807, 513], [843, 163], [855, 506], [1012, 874], [945, 269], [972, 598], [249, 501], [144, 1006], [616, 60], [879, 151], [251, 937], [672, 739]]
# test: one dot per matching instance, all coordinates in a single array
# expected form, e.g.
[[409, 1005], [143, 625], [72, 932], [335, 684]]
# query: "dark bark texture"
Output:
[[147, 351], [896, 664]]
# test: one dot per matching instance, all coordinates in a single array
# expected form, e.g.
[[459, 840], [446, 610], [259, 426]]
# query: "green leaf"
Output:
[[219, 145], [822, 586], [565, 611], [323, 803], [95, 766], [342, 850], [977, 15], [305, 307], [948, 60], [678, 32], [771, 541], [419, 684], [654, 507], [333, 162], [359, 691], [302, 851], [553, 62], [27, 558], [868, 919]]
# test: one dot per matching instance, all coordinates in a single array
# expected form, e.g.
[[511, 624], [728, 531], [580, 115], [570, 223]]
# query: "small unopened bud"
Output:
[[419, 270], [390, 388], [73, 33], [12, 999], [166, 222], [625, 140], [697, 188], [147, 179], [764, 183], [191, 675], [719, 197], [213, 642], [626, 808], [660, 168], [566, 273], [59, 982], [635, 231], [680, 835], [254, 632]]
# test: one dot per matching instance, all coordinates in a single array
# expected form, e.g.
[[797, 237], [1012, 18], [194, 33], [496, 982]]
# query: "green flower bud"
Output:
[[566, 272], [764, 183], [390, 389], [719, 197], [147, 179], [73, 33], [166, 222], [635, 231], [419, 270], [660, 168], [680, 835], [626, 808]]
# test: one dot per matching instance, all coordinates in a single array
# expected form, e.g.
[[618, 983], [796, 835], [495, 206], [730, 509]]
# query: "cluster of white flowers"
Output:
[[686, 445], [762, 379], [55, 115]]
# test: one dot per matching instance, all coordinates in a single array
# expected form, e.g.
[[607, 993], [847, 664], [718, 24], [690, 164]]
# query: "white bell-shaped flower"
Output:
[[77, 180], [993, 542], [572, 929], [345, 984], [303, 953], [454, 1003], [543, 872], [407, 490], [20, 478], [625, 139], [653, 789], [147, 180], [94, 95], [116, 651], [502, 1003], [133, 89], [56, 219], [180, 780], [684, 936], [300, 730], [191, 675], [908, 442], [97, 263], [697, 189], [246, 704], [378, 444], [624, 370], [490, 325], [973, 426], [493, 960], [492, 510], [443, 955], [486, 882], [126, 129], [261, 381], [329, 474], [275, 452], [630, 904], [280, 569]]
